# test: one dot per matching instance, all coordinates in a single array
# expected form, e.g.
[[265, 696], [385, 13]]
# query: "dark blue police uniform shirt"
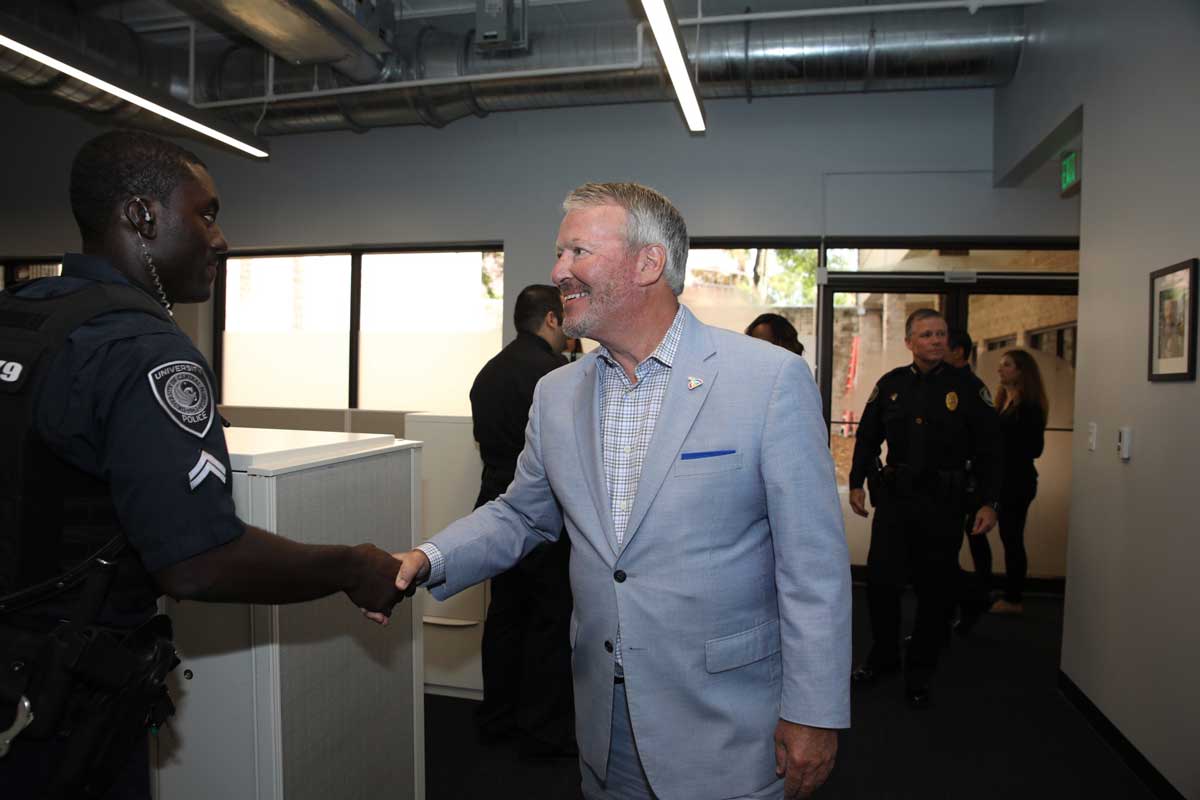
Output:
[[108, 407]]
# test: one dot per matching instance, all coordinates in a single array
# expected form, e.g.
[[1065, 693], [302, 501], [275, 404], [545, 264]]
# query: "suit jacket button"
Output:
[[608, 646], [619, 576]]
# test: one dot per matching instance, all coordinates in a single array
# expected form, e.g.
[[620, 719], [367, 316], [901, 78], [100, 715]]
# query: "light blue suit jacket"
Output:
[[734, 610]]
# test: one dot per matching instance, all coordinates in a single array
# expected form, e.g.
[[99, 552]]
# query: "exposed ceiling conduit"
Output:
[[447, 80]]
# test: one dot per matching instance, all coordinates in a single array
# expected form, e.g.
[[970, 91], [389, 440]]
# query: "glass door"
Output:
[[1044, 326], [863, 339]]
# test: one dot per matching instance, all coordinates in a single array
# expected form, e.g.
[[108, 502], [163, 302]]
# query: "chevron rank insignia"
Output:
[[207, 465], [694, 382]]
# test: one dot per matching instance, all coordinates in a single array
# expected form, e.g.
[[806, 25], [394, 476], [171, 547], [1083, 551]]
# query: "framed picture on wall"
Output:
[[1173, 322]]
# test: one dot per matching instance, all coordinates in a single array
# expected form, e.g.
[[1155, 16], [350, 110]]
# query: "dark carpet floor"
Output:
[[999, 729]]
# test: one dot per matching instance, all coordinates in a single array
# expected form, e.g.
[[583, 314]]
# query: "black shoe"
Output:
[[917, 696], [868, 674]]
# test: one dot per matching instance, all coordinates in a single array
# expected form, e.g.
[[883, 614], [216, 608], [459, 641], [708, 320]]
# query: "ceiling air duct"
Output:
[[354, 42]]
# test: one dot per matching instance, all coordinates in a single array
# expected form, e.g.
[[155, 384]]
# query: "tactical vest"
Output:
[[55, 519]]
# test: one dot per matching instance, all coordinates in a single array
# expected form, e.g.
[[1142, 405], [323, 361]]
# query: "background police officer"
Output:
[[934, 419], [127, 444]]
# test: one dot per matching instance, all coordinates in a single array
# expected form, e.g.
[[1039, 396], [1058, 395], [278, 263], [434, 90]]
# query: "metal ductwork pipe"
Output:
[[927, 50], [944, 49], [108, 43]]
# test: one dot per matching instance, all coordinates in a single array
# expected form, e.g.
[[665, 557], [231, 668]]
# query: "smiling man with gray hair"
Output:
[[689, 466]]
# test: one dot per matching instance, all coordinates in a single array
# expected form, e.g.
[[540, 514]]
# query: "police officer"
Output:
[[526, 647], [115, 484], [935, 420]]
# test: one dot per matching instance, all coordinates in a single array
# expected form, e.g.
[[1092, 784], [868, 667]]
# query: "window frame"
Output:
[[10, 264], [1059, 332], [356, 253], [957, 294]]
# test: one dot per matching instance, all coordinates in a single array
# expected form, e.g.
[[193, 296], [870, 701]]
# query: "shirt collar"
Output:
[[93, 268], [533, 338], [666, 350], [941, 365]]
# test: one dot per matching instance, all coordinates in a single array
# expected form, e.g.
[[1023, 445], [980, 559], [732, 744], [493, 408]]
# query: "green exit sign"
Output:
[[1068, 174]]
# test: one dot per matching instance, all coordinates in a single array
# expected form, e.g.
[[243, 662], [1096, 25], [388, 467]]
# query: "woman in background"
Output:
[[1024, 408], [777, 330]]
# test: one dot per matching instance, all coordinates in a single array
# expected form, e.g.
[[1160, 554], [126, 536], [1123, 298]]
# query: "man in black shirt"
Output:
[[935, 419], [526, 646]]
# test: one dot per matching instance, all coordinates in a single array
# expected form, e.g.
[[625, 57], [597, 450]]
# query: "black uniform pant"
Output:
[[914, 540], [526, 651], [1014, 510]]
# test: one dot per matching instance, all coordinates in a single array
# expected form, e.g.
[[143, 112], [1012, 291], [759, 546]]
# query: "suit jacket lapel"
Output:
[[695, 359], [587, 436]]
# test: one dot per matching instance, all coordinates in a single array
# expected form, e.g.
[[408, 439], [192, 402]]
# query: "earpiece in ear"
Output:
[[145, 211]]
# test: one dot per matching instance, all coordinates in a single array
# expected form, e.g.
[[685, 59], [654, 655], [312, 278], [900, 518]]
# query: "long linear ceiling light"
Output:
[[670, 45], [130, 97]]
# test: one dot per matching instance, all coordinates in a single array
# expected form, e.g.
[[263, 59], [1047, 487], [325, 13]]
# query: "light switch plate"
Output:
[[1091, 436], [1125, 442]]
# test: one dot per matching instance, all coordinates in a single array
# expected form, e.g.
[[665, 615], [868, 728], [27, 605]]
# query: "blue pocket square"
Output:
[[705, 454]]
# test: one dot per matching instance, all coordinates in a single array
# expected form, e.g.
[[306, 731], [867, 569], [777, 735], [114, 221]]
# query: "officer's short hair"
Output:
[[650, 219], [533, 303], [956, 338], [118, 165], [917, 316]]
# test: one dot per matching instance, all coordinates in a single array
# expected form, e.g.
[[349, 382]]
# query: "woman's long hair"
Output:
[[1029, 389], [782, 332]]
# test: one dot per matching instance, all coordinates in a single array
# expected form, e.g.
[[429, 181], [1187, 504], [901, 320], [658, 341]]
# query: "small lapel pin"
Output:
[[693, 382]]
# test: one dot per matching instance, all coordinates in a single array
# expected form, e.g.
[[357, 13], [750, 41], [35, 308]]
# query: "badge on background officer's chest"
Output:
[[952, 400]]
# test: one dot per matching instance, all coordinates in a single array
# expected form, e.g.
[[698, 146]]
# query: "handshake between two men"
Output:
[[382, 585]]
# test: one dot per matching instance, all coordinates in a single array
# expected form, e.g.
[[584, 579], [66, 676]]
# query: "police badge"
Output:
[[952, 400], [181, 388]]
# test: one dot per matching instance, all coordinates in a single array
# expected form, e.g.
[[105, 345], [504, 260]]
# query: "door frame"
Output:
[[956, 288]]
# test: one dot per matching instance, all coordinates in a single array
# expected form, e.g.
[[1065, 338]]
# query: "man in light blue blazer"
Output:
[[689, 466]]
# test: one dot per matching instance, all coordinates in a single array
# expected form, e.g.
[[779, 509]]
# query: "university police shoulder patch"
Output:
[[183, 391], [986, 396], [874, 394]]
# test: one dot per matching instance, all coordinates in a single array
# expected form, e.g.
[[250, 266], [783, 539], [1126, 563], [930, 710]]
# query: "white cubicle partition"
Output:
[[308, 700], [449, 486]]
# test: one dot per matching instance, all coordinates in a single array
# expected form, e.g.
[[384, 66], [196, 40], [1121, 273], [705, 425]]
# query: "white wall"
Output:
[[1131, 640], [758, 172]]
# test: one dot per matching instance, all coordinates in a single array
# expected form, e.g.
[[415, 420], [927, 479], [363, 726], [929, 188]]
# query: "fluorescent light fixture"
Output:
[[130, 97], [666, 35]]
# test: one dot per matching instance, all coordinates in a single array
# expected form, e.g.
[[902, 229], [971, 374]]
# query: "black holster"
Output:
[[896, 481], [95, 689], [875, 485]]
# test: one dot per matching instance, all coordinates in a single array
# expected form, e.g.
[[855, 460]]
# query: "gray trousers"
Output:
[[626, 780]]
